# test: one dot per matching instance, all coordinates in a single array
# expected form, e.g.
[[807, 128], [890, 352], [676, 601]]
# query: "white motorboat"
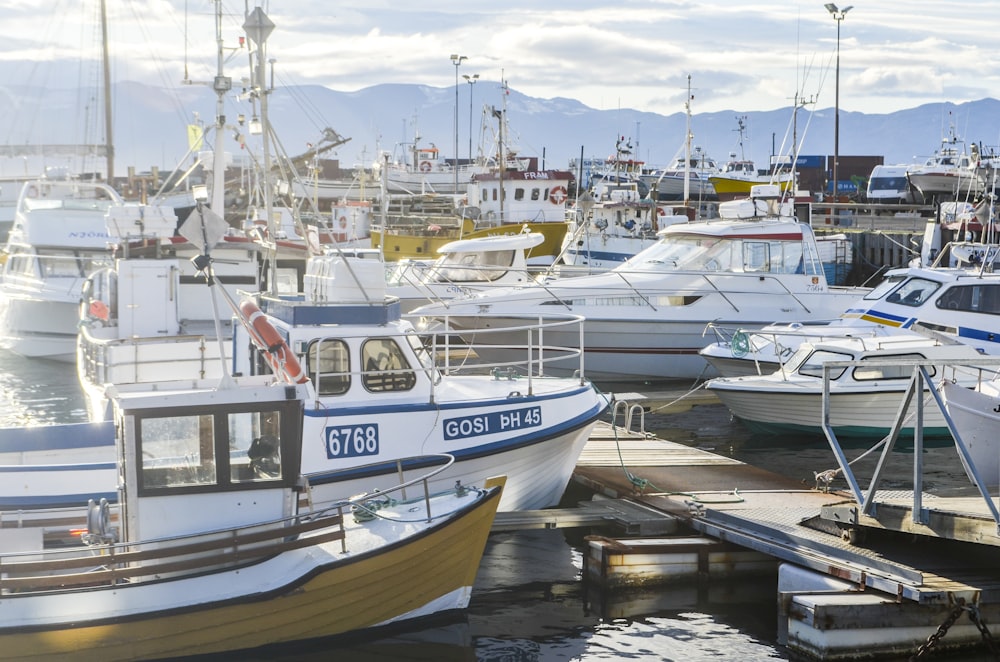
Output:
[[958, 303], [57, 239], [864, 400], [212, 546], [645, 319], [463, 267]]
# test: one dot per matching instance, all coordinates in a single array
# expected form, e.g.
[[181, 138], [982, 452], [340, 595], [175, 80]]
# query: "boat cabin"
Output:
[[195, 460]]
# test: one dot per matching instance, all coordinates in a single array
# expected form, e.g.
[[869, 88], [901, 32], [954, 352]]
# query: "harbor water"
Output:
[[530, 602]]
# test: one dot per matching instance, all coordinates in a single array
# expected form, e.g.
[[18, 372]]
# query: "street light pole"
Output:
[[838, 15], [456, 60], [471, 80]]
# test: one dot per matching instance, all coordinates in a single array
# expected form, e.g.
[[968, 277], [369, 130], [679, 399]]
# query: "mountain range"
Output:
[[150, 124]]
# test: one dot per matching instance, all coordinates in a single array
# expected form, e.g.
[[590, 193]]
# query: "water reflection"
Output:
[[38, 392]]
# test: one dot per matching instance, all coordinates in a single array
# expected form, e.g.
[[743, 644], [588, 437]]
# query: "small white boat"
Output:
[[463, 267], [645, 319], [958, 303], [864, 401], [57, 239], [213, 547]]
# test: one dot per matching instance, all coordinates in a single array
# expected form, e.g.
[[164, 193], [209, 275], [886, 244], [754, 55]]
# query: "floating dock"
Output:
[[849, 585]]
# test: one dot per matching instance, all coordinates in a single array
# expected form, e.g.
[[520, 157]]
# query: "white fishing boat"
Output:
[[958, 303], [57, 239], [213, 546], [864, 401], [667, 184], [949, 174], [377, 391], [645, 319], [381, 390], [424, 171]]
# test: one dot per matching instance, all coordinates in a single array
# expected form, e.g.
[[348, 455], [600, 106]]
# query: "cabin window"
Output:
[[971, 298], [254, 446], [882, 372], [485, 195], [385, 367], [219, 448], [885, 286], [914, 292], [177, 451], [756, 256], [535, 194], [812, 364], [329, 362], [519, 193]]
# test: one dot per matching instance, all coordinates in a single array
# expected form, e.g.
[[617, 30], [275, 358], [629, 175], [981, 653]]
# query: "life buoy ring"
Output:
[[343, 222], [660, 211], [98, 310], [557, 195], [425, 166], [32, 191], [281, 358]]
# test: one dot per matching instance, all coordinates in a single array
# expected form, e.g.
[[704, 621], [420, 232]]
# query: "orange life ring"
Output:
[[557, 195], [425, 166], [98, 310], [343, 222], [660, 211], [281, 358]]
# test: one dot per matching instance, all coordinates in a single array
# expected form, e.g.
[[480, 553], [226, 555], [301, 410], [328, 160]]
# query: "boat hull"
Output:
[[975, 415], [863, 414], [40, 324], [528, 438], [308, 594]]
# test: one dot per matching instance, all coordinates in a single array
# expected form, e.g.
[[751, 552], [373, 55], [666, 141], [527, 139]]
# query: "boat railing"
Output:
[[521, 348], [921, 386], [84, 567], [127, 360]]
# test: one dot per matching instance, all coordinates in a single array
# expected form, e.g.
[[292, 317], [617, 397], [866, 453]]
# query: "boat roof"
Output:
[[500, 242]]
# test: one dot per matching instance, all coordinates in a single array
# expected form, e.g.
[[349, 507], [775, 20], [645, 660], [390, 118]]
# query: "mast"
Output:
[[503, 149], [687, 146], [108, 142], [221, 85], [258, 28]]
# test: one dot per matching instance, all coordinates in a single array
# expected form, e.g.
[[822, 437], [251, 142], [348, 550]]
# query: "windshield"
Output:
[[695, 252], [884, 287]]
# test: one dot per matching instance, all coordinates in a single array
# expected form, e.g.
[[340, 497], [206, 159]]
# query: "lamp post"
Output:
[[456, 60], [471, 80], [838, 15]]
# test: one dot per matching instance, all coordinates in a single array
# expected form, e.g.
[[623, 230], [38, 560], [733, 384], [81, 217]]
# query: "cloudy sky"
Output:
[[622, 54]]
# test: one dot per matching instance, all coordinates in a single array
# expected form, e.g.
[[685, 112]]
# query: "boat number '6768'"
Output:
[[351, 440]]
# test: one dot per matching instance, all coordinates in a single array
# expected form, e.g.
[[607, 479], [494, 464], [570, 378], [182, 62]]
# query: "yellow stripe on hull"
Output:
[[357, 595]]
